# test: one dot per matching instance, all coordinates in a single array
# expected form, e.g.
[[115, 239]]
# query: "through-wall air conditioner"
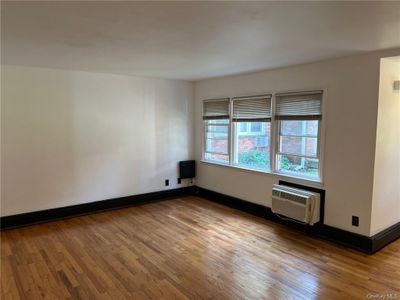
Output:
[[296, 204]]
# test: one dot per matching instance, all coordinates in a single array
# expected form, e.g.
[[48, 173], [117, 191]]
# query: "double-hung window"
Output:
[[238, 132], [298, 118], [251, 117], [216, 128]]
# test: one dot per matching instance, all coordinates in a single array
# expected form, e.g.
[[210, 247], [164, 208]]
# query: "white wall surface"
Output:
[[386, 192], [75, 137], [351, 100], [71, 137]]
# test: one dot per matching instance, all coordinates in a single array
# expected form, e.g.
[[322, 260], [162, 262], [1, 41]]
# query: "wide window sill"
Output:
[[300, 180]]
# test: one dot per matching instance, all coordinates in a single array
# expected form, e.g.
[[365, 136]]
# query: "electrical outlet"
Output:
[[166, 182], [354, 221], [179, 181]]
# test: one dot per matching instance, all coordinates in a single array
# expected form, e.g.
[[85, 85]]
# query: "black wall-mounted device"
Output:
[[355, 220], [187, 169]]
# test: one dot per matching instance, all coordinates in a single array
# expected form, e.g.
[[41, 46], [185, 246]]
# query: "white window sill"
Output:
[[295, 179]]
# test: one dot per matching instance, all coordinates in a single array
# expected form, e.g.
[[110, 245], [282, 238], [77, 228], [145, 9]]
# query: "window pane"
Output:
[[305, 167], [216, 135], [216, 157], [243, 127], [252, 151], [300, 128], [305, 146], [217, 145], [216, 130], [216, 140], [255, 126], [219, 121]]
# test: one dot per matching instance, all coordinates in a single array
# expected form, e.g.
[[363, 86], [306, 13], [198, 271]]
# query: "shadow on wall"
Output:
[[38, 162], [75, 137]]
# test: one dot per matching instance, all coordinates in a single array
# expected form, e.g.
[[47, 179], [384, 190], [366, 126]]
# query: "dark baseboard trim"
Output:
[[362, 243], [385, 237], [47, 215]]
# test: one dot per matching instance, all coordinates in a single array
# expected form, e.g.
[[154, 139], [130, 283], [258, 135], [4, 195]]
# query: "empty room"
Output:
[[200, 150]]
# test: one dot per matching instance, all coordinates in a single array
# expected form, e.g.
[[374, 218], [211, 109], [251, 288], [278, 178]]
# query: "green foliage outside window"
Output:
[[254, 158], [308, 168]]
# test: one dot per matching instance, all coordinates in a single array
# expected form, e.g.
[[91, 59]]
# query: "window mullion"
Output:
[[272, 137], [297, 155], [230, 134], [299, 136], [204, 139], [277, 144], [319, 150]]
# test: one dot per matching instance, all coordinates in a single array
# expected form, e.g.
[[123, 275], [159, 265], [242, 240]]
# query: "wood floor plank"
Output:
[[186, 248]]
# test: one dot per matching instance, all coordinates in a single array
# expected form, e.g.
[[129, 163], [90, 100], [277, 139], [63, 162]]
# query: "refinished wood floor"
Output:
[[187, 248]]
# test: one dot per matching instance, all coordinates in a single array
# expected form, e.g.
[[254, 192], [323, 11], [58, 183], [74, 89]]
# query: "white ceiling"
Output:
[[191, 40]]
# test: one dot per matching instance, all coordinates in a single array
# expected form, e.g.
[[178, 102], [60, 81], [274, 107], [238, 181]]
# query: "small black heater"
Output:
[[187, 169]]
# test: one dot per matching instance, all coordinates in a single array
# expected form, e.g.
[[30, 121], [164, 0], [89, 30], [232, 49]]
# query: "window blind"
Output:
[[299, 106], [252, 109], [216, 109]]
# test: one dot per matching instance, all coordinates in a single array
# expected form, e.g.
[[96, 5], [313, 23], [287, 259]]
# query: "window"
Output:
[[238, 132], [251, 132], [255, 127], [216, 128], [298, 116], [217, 140], [250, 128], [262, 141], [243, 128]]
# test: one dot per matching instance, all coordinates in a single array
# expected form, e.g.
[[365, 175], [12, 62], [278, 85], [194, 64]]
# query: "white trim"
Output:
[[230, 132], [272, 148], [300, 180], [300, 136], [217, 153], [234, 142], [297, 155]]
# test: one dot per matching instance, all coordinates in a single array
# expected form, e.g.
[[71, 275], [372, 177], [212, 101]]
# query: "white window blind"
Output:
[[299, 106], [216, 109], [252, 109]]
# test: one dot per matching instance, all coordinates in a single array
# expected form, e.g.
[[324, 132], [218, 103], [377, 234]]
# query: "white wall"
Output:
[[386, 192], [75, 137], [351, 101]]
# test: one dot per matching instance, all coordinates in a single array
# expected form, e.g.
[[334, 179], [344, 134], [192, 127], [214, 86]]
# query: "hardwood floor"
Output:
[[187, 248]]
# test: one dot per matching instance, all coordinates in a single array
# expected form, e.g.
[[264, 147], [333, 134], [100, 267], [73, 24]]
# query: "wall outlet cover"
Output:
[[355, 221]]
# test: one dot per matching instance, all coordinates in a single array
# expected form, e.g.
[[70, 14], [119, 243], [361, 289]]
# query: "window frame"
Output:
[[204, 140], [277, 153], [274, 140], [248, 131], [236, 134]]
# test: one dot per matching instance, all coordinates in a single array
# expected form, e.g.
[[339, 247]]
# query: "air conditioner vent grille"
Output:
[[292, 197], [276, 193]]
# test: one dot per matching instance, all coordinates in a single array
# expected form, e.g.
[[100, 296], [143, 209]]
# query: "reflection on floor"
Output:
[[186, 248]]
